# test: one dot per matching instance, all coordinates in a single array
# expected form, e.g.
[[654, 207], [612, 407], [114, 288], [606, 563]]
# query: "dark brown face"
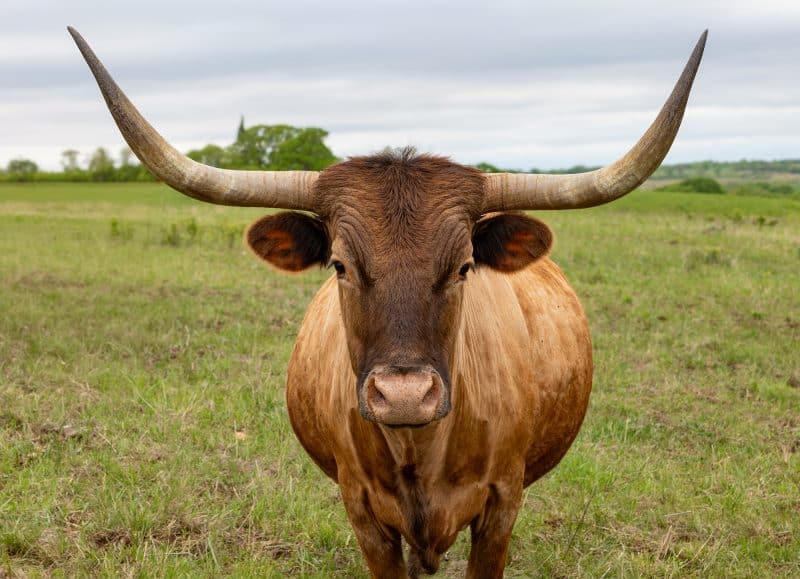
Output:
[[402, 234]]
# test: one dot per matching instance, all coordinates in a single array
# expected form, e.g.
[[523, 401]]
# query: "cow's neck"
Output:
[[413, 448]]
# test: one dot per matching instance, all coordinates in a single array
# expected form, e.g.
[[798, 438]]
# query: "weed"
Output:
[[121, 230], [707, 257], [171, 235]]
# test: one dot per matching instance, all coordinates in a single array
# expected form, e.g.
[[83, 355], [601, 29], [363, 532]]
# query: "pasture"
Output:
[[143, 429]]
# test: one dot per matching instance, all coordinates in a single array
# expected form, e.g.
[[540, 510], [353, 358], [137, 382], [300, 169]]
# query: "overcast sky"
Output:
[[520, 84]]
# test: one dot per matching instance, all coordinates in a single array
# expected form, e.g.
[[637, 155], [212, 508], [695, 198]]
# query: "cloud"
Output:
[[514, 83]]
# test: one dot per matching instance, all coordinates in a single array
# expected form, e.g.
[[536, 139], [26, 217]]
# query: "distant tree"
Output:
[[576, 169], [126, 157], [270, 147], [21, 170], [69, 160], [254, 145], [305, 151], [212, 155], [101, 166], [128, 169], [488, 168]]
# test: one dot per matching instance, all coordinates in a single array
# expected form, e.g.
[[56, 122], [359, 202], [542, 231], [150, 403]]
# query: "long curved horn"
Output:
[[509, 191], [284, 189]]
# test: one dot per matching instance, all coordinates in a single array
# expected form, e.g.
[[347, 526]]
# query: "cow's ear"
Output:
[[509, 241], [289, 241]]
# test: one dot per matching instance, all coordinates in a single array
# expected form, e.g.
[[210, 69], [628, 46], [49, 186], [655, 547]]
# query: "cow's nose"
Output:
[[404, 397]]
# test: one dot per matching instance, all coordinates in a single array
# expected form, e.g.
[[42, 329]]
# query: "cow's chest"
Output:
[[429, 514]]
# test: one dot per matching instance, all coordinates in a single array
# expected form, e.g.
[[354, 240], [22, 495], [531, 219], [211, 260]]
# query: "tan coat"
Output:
[[521, 379]]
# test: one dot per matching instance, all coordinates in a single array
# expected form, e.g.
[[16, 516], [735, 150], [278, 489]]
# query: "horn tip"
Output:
[[697, 55], [76, 36], [701, 42]]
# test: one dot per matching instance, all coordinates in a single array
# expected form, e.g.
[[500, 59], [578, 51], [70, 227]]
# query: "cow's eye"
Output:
[[462, 273], [339, 267]]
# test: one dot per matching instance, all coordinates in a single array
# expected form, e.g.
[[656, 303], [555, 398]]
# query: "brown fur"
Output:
[[510, 342]]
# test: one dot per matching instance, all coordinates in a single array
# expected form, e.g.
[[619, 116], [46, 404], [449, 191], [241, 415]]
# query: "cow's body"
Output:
[[521, 379]]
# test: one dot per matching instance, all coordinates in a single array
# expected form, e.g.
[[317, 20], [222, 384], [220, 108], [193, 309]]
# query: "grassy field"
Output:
[[143, 429]]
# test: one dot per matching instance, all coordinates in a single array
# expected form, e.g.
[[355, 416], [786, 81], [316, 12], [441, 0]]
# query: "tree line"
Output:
[[284, 147], [100, 166], [265, 147]]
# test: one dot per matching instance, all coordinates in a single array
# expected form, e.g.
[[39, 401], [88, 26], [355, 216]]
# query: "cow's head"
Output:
[[402, 233]]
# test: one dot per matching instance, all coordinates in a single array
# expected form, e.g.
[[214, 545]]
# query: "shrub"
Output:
[[696, 185], [21, 170], [763, 189]]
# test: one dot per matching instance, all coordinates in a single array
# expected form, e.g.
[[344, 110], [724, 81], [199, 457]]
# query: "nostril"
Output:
[[375, 396], [431, 395]]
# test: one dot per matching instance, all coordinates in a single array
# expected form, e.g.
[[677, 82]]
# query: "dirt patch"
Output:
[[184, 536], [45, 280], [259, 543], [11, 421], [65, 431], [554, 522], [111, 538], [456, 568]]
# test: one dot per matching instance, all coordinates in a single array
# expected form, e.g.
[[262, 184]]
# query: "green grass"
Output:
[[143, 428]]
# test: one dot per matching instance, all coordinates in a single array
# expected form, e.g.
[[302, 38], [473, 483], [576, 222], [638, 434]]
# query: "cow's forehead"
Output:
[[400, 189]]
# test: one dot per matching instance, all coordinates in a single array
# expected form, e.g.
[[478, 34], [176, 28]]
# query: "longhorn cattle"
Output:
[[446, 364]]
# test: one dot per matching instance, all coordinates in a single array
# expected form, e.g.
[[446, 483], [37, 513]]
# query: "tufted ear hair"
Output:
[[289, 241], [510, 241]]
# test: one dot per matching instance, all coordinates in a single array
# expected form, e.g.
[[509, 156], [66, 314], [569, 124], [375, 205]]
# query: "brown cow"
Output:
[[447, 364]]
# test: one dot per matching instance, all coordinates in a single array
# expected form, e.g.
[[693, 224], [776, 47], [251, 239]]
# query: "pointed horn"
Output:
[[510, 191], [284, 189]]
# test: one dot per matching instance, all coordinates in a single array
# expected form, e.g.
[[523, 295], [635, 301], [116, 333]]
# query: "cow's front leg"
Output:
[[491, 532], [381, 545]]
